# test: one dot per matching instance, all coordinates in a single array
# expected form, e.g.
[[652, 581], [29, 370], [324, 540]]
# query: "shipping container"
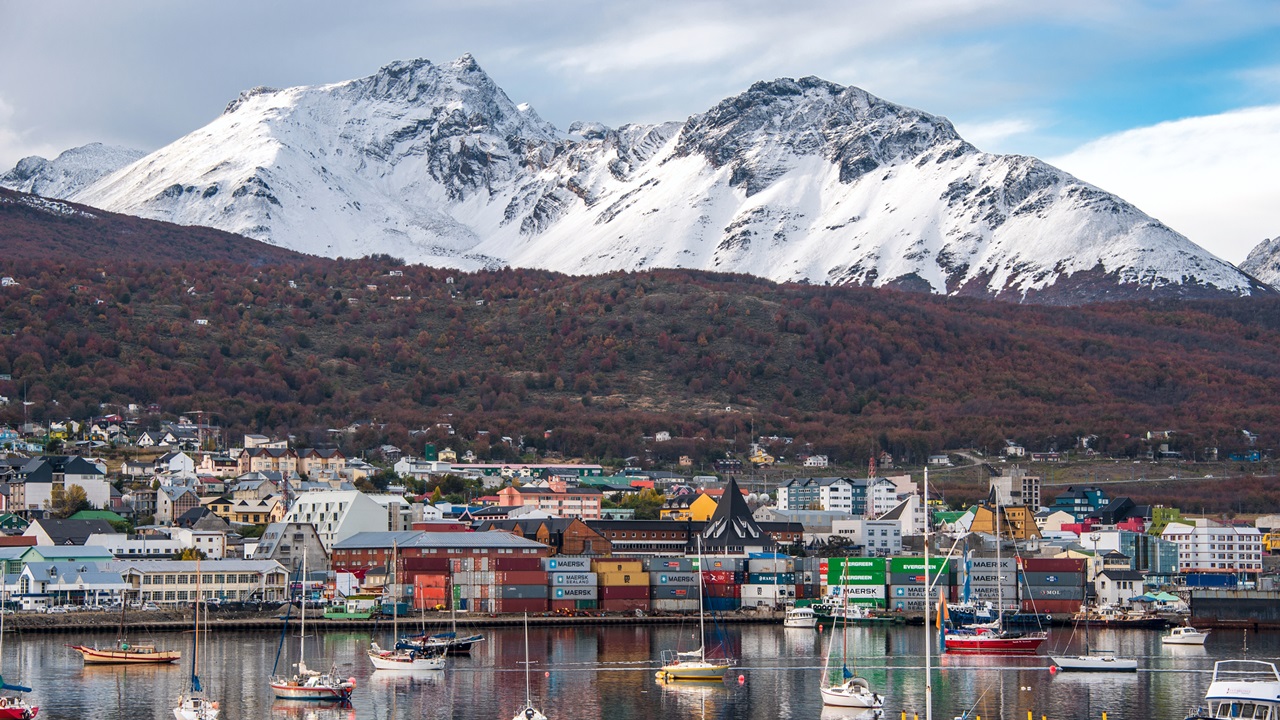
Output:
[[575, 593], [1053, 579], [571, 564], [1211, 580], [1056, 608], [912, 579], [635, 577], [722, 577], [773, 593], [673, 592], [521, 577], [1052, 593], [772, 565], [915, 566], [427, 579], [855, 592], [624, 605], [672, 578], [616, 566], [685, 606], [624, 592], [724, 604], [918, 591], [518, 605], [730, 564], [722, 591], [514, 564], [1053, 565], [424, 564], [983, 593], [571, 578], [668, 564], [522, 592], [562, 605], [770, 578], [586, 604]]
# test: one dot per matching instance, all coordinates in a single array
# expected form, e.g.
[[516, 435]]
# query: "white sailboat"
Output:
[[192, 702], [528, 712], [852, 691], [305, 683], [401, 658], [1094, 660], [694, 665]]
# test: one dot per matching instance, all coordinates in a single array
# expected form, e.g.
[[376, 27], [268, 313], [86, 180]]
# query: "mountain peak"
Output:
[[1263, 262]]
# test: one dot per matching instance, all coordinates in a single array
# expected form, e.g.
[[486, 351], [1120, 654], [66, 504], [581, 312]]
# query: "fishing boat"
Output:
[[849, 691], [353, 607], [1111, 616], [403, 659], [1185, 635], [528, 712], [1242, 689], [305, 683], [800, 617], [449, 642], [693, 664], [13, 707], [192, 702], [124, 652], [833, 613]]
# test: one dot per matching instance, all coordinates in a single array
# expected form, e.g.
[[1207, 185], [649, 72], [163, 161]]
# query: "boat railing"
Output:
[[1245, 670]]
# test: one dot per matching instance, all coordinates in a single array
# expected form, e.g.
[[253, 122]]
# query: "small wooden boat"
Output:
[[124, 653]]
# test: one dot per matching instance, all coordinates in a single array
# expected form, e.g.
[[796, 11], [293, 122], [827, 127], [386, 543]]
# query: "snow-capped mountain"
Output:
[[1264, 262], [68, 173], [793, 180]]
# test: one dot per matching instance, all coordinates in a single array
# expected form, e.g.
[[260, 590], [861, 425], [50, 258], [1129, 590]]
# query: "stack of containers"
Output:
[[1053, 585], [521, 585], [771, 580], [907, 591], [572, 585], [426, 579], [474, 584], [624, 585], [860, 580], [991, 580], [722, 583], [809, 580], [673, 584]]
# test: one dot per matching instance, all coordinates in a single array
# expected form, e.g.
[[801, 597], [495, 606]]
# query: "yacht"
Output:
[[800, 618], [1184, 635], [1242, 689]]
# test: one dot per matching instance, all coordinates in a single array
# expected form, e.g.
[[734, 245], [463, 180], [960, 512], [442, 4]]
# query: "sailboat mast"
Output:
[[195, 635], [999, 569], [302, 635], [395, 592], [528, 688], [928, 656], [702, 615]]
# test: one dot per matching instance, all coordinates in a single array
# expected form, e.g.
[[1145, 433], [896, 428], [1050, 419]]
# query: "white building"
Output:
[[175, 581], [878, 537], [830, 494], [1016, 487], [339, 514], [399, 511], [818, 461], [1207, 546], [136, 546]]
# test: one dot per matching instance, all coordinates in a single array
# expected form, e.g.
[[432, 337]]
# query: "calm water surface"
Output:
[[607, 673]]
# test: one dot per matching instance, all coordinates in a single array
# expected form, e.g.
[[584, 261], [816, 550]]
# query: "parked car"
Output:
[[57, 609], [148, 606]]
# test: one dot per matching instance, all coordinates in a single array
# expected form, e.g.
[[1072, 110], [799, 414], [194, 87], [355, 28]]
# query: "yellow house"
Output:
[[697, 507], [1017, 522], [448, 455]]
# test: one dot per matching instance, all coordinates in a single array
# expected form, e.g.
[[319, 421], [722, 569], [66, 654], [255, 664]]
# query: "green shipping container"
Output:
[[856, 571], [913, 565]]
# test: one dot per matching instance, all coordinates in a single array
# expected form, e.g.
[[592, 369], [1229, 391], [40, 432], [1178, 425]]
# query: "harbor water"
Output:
[[607, 673]]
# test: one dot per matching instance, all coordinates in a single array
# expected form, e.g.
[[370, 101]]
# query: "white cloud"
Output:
[[992, 135], [15, 145], [1211, 178]]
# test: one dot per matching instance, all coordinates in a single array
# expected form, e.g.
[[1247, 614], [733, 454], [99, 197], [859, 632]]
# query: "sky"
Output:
[[1173, 105]]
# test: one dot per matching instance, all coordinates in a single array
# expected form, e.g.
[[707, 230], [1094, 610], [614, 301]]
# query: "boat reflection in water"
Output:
[[309, 710]]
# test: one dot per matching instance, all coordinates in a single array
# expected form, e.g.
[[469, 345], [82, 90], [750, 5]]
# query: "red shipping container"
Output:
[[722, 591], [422, 579], [624, 592], [1057, 565], [524, 563], [557, 605], [719, 577], [624, 605], [410, 564], [538, 605], [521, 577], [1058, 608]]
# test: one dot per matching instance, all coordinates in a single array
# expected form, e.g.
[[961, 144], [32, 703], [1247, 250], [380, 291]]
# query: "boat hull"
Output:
[[18, 712], [693, 671], [1092, 663], [286, 691], [993, 646], [529, 713], [1185, 639], [93, 656], [840, 696], [404, 662], [196, 709]]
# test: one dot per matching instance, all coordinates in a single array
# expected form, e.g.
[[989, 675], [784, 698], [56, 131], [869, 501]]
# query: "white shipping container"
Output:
[[854, 592], [573, 564], [661, 578], [674, 605], [772, 593], [561, 579], [576, 592]]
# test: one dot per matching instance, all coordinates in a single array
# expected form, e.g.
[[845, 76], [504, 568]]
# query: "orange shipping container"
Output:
[[612, 566], [430, 581], [610, 579]]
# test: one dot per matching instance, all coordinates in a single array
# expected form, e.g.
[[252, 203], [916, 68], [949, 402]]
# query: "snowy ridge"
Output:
[[69, 172], [1264, 262], [793, 180]]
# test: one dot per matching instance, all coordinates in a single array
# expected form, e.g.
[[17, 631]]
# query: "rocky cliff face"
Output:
[[793, 180], [1264, 262]]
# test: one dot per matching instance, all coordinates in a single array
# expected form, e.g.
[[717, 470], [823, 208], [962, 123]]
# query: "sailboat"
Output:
[[675, 666], [852, 691], [402, 658], [993, 638], [124, 652], [528, 712], [1094, 660], [13, 707], [308, 684], [192, 703], [446, 642]]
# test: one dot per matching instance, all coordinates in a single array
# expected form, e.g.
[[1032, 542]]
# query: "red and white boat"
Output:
[[982, 639]]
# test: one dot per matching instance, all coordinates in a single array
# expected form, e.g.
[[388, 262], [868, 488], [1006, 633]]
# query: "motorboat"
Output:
[[1185, 635], [802, 617], [1242, 689]]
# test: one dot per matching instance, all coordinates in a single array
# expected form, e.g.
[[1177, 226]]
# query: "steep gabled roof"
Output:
[[731, 525]]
